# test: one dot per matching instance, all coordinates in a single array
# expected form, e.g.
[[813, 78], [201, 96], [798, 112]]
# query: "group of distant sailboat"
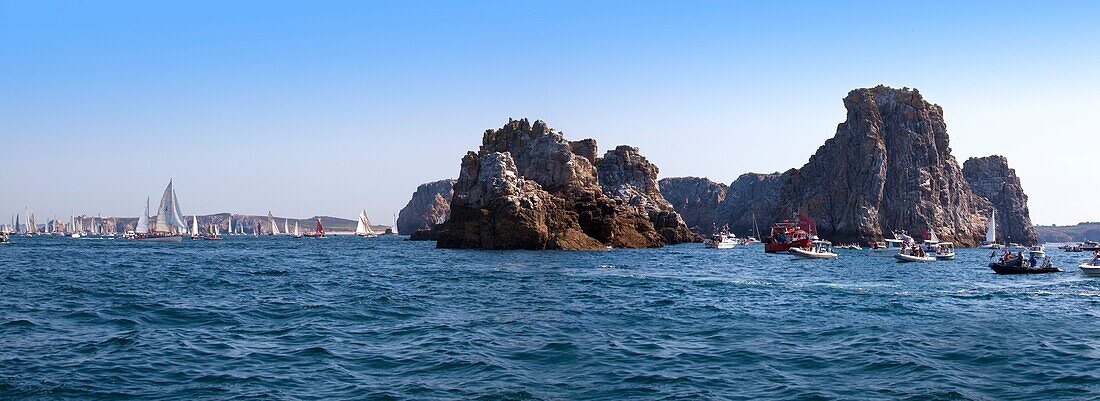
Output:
[[169, 225]]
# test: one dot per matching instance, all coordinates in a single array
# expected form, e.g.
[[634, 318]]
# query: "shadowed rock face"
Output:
[[752, 201], [431, 203], [695, 199], [991, 178], [527, 189]]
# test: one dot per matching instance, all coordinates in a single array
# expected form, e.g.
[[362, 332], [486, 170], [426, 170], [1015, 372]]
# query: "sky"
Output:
[[327, 108]]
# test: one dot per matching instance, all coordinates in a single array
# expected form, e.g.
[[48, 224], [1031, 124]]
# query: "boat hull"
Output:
[[948, 256], [781, 247], [1002, 269], [170, 238], [914, 259], [802, 253], [1090, 270]]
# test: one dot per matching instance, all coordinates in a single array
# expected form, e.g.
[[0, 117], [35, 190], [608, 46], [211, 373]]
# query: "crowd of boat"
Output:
[[169, 225], [798, 237]]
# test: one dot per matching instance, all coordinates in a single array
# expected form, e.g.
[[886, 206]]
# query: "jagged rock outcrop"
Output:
[[628, 177], [889, 167], [991, 178], [695, 199], [529, 188], [429, 205]]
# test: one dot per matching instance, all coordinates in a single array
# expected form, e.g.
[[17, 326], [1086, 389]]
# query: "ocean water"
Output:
[[352, 318]]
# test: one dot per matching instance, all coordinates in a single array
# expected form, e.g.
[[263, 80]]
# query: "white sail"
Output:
[[286, 226], [169, 218], [143, 220], [216, 232], [393, 229], [363, 227], [194, 225], [274, 225], [932, 236], [230, 230], [296, 232], [991, 232]]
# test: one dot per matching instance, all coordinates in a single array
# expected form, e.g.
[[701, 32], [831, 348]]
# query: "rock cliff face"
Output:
[[695, 199], [529, 188], [626, 176], [991, 178], [752, 200], [430, 204], [889, 167]]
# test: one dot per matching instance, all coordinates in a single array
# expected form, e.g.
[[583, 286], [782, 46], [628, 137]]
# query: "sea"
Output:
[[276, 318]]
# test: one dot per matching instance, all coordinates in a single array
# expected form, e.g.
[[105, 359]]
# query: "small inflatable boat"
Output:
[[901, 257], [1011, 267]]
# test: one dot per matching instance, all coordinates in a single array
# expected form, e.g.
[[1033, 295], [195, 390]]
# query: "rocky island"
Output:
[[528, 187], [888, 167]]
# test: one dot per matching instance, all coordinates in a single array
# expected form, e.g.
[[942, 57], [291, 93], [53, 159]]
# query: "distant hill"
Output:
[[1081, 232]]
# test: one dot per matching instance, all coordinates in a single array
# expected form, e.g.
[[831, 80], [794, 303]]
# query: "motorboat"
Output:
[[820, 249], [1016, 264], [1037, 251], [945, 251], [907, 258], [4, 238], [1090, 246], [786, 235], [721, 240], [1090, 269]]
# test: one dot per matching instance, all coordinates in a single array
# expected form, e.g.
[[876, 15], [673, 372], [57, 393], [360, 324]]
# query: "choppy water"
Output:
[[350, 318]]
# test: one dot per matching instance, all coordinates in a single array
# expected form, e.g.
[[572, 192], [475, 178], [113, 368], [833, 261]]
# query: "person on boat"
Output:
[[1020, 259], [1032, 262]]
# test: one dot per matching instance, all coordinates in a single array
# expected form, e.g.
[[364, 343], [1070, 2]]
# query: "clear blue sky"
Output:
[[307, 109]]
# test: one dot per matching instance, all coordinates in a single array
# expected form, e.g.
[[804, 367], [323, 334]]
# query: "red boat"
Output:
[[787, 234], [318, 232]]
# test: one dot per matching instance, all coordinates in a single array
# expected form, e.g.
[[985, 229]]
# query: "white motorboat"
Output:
[[1090, 269], [722, 240], [945, 251], [1037, 251], [818, 250], [901, 257]]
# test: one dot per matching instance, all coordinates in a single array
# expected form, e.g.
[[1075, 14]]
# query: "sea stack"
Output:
[[889, 167], [429, 205], [528, 187], [991, 178]]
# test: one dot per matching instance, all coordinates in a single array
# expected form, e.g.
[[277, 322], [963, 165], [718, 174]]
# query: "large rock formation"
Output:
[[628, 177], [529, 188], [889, 167], [991, 178], [430, 205], [695, 199]]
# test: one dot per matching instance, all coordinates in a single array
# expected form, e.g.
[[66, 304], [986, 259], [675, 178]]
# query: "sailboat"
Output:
[[169, 224], [393, 228], [194, 227], [213, 234], [297, 234], [73, 232], [274, 225], [319, 231], [230, 230], [286, 226], [991, 233], [363, 227]]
